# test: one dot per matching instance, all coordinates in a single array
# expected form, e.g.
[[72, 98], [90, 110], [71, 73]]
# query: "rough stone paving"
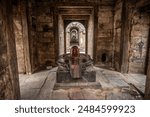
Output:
[[109, 85]]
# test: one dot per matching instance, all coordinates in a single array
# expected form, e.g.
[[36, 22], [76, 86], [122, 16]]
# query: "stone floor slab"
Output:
[[112, 85]]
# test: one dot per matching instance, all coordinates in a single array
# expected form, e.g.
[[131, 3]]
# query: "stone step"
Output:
[[95, 85]]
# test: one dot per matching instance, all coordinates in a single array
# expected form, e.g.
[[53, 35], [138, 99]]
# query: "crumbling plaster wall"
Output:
[[136, 36]]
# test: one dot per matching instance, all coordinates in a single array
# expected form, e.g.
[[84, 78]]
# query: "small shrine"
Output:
[[75, 66]]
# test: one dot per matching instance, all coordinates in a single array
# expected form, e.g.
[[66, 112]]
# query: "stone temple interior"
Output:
[[75, 49]]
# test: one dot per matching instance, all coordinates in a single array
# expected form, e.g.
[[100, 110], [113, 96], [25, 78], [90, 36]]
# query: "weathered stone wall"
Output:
[[111, 34], [45, 32], [105, 36], [147, 85], [32, 35], [117, 33], [9, 82], [42, 33], [138, 42], [17, 21], [134, 32]]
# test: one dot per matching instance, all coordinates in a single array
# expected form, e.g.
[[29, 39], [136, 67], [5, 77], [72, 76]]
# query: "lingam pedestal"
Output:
[[75, 67]]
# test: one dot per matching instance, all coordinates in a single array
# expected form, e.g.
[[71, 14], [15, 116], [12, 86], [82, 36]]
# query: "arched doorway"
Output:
[[75, 35], [77, 21]]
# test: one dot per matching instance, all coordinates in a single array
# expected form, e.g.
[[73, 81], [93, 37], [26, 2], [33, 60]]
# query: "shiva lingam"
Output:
[[74, 66]]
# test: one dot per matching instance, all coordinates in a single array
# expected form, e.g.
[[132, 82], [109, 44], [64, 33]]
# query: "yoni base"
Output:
[[65, 77], [90, 76]]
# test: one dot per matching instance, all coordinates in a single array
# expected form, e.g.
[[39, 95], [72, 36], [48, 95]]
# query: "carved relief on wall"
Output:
[[140, 45], [138, 51], [74, 34]]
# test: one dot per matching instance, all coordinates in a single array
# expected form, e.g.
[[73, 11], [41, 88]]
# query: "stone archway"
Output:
[[75, 35]]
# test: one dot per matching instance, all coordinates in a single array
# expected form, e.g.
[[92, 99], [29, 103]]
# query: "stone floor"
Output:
[[109, 85]]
